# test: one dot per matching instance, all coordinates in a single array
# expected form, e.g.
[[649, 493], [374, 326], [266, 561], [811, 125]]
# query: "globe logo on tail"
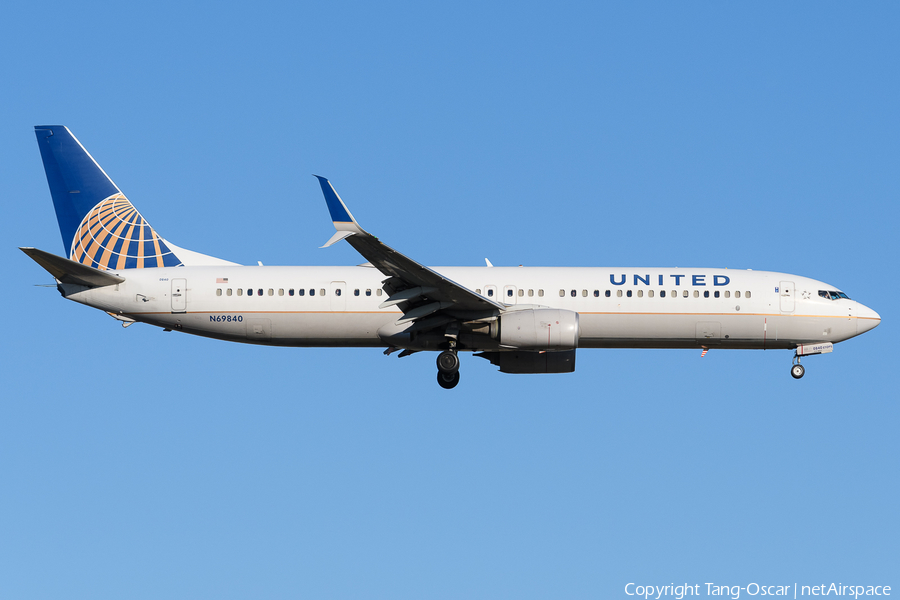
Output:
[[114, 235]]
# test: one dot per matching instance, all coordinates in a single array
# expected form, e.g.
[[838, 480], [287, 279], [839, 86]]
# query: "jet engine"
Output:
[[539, 329]]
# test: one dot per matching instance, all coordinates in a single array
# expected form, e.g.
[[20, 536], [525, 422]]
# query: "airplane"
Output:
[[521, 319]]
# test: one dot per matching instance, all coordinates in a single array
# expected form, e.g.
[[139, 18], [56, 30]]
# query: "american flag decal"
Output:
[[222, 280]]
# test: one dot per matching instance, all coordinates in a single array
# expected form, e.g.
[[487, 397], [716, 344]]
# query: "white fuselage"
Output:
[[617, 307]]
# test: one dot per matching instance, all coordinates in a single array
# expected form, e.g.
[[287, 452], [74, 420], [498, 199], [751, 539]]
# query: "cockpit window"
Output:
[[833, 295]]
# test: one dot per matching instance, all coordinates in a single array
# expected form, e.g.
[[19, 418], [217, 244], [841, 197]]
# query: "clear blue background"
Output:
[[141, 464]]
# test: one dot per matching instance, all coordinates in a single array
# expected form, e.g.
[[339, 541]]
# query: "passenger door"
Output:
[[786, 291]]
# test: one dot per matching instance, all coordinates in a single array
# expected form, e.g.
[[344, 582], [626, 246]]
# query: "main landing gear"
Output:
[[448, 369]]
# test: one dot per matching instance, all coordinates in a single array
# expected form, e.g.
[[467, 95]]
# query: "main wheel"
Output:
[[797, 371], [448, 362], [448, 381]]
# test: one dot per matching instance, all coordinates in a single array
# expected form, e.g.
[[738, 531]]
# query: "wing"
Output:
[[417, 290]]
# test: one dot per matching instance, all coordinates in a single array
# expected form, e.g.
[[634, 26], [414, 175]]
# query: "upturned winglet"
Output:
[[343, 221]]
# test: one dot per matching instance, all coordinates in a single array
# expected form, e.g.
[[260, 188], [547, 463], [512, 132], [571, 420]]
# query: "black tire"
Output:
[[797, 371], [448, 362], [448, 381]]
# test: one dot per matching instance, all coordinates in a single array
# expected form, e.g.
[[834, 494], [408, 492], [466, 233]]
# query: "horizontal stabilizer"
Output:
[[69, 271]]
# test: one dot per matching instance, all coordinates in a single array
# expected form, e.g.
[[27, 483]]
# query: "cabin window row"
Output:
[[662, 293], [290, 292], [509, 292], [619, 293]]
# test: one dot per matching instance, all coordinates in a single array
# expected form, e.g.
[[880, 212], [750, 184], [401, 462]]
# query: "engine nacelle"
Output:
[[539, 329]]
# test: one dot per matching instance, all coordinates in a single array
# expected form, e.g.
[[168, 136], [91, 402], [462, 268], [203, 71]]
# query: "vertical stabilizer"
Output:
[[99, 226]]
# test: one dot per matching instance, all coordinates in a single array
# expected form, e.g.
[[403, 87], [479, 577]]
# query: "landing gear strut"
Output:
[[448, 369]]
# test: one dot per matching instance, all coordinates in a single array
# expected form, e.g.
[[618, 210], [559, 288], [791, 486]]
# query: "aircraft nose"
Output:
[[867, 319]]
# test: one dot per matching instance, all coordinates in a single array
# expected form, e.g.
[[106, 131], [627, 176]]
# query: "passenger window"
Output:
[[312, 292], [228, 292], [746, 294], [628, 293], [490, 293], [562, 293], [540, 293], [685, 293], [219, 292], [281, 291], [640, 293], [478, 290], [337, 291], [608, 293], [706, 293], [291, 292], [727, 294], [662, 293], [521, 292], [650, 293], [249, 291], [584, 293], [572, 293], [369, 292], [301, 292], [259, 292], [737, 294], [674, 293], [696, 293], [509, 293], [356, 292], [596, 293], [530, 293], [321, 291], [618, 293], [240, 291], [716, 293], [378, 292]]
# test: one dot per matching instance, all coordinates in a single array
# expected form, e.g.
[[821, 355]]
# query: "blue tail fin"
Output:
[[99, 226]]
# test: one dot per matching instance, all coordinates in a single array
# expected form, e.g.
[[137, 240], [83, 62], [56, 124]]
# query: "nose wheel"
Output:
[[797, 369], [448, 369]]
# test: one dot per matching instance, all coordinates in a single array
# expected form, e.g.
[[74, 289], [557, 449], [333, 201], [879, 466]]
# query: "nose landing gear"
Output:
[[797, 370], [448, 369]]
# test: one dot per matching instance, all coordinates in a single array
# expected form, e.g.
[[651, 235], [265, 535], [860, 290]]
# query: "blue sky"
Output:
[[142, 464]]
